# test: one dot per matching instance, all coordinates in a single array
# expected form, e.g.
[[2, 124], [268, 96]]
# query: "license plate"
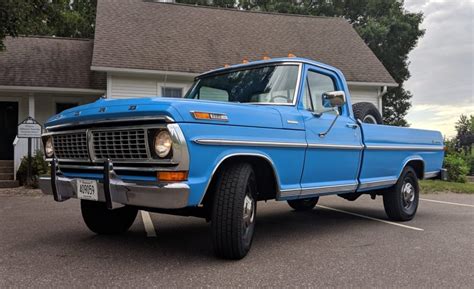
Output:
[[87, 190]]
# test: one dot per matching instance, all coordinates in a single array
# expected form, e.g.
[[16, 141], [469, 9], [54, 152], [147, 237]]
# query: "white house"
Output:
[[144, 48]]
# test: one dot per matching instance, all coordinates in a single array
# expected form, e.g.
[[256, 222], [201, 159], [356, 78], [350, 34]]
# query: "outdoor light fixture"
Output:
[[163, 143]]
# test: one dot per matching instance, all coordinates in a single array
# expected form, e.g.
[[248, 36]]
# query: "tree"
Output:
[[64, 18], [465, 134], [20, 17], [385, 26]]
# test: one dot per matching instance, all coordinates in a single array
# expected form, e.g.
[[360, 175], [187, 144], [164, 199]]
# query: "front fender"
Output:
[[204, 159]]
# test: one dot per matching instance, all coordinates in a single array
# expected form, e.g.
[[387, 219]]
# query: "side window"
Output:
[[317, 84], [209, 93]]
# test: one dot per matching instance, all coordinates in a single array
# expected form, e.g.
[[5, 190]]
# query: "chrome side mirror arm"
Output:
[[323, 134]]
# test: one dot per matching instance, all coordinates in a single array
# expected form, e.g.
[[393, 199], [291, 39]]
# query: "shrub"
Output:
[[457, 168], [38, 167]]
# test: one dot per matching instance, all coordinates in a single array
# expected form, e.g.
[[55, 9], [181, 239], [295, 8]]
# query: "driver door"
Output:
[[332, 161]]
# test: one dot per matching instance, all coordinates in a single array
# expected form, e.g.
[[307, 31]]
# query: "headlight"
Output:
[[48, 147], [163, 143]]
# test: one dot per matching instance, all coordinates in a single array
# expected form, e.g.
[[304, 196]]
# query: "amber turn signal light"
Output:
[[172, 176]]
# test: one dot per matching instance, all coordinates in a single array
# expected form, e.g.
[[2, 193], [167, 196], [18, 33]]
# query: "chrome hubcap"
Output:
[[249, 211], [408, 194]]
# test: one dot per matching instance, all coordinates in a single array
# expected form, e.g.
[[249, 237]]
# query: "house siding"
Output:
[[122, 86]]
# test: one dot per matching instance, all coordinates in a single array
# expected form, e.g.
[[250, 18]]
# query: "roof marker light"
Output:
[[266, 57], [245, 61], [291, 55], [226, 65]]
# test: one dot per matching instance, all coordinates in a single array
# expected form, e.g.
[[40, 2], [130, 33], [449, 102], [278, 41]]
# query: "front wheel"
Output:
[[101, 220], [401, 201], [233, 212]]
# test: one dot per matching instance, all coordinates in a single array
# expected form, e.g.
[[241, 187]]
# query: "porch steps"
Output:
[[6, 175]]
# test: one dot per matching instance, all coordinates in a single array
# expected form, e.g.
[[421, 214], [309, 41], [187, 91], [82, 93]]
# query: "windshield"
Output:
[[268, 84]]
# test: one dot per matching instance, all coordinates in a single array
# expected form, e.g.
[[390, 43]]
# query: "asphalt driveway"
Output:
[[339, 244]]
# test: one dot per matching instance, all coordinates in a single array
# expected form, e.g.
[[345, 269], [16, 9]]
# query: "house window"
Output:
[[62, 106], [176, 92]]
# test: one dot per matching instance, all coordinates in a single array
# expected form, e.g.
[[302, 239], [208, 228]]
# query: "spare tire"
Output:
[[367, 113]]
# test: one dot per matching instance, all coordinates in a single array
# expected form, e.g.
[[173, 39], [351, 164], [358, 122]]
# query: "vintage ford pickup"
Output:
[[279, 129]]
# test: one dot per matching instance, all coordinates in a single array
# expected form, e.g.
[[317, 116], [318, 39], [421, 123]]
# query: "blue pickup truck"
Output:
[[280, 129]]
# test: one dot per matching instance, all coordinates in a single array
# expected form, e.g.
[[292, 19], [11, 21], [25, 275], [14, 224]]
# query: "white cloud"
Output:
[[442, 68]]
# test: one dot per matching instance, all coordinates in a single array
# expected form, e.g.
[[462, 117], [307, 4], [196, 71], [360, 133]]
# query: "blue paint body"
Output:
[[298, 169]]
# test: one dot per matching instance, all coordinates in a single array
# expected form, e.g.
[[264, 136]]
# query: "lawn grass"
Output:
[[437, 186]]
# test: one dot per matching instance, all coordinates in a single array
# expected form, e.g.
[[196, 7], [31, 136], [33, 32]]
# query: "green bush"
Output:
[[38, 167], [469, 158], [457, 168]]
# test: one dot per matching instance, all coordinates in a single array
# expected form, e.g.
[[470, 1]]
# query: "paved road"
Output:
[[45, 244]]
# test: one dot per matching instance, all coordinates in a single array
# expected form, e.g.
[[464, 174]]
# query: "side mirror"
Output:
[[334, 99]]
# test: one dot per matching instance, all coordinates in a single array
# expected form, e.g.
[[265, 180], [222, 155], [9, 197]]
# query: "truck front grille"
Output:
[[71, 146], [130, 144]]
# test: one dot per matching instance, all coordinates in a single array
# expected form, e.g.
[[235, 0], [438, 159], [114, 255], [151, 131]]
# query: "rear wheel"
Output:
[[401, 201], [233, 212], [101, 220], [303, 204]]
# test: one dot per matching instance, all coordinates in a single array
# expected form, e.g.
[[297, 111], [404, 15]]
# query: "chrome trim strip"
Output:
[[328, 189], [430, 175], [406, 147], [117, 168], [335, 146], [248, 143], [318, 190], [387, 182], [241, 154], [275, 144], [112, 120]]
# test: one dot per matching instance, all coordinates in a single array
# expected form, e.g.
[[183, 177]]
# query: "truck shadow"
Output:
[[189, 239]]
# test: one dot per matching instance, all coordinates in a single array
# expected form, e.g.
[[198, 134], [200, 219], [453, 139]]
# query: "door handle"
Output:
[[352, 125]]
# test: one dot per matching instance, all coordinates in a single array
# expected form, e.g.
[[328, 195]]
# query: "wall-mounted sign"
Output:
[[29, 128]]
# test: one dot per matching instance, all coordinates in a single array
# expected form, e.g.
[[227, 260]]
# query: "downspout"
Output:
[[381, 93]]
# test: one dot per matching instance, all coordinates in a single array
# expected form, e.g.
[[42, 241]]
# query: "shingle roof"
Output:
[[182, 38], [49, 62]]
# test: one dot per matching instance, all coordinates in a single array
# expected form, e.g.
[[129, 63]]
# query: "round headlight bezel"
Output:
[[162, 144], [49, 147]]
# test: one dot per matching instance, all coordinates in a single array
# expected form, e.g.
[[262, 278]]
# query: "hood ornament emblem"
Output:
[[132, 107], [102, 109], [77, 113]]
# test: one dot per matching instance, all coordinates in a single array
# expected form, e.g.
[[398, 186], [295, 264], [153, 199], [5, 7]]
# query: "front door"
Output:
[[8, 128], [332, 161]]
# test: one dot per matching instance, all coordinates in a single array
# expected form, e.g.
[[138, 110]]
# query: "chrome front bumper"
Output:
[[115, 192]]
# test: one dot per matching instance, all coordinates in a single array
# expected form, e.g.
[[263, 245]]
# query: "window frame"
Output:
[[172, 87], [335, 79], [255, 66]]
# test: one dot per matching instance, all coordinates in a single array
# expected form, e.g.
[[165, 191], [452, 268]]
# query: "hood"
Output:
[[178, 109]]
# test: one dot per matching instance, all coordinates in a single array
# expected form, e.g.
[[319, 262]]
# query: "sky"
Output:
[[441, 66]]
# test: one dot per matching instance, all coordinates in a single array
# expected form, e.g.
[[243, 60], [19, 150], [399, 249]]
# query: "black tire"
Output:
[[303, 204], [101, 220], [367, 113], [232, 229], [401, 201]]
